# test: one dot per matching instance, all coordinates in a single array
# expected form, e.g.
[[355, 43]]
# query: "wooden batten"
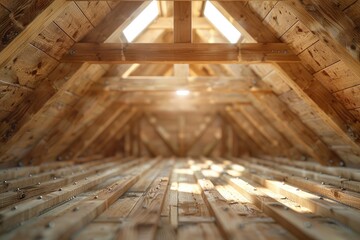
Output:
[[179, 119]]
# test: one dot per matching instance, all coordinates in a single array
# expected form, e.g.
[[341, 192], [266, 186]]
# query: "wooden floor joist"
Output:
[[177, 199]]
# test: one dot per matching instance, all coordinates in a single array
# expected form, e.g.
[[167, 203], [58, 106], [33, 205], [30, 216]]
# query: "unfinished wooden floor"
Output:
[[180, 199]]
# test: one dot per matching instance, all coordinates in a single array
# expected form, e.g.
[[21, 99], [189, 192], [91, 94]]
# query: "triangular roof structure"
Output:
[[73, 87], [224, 119]]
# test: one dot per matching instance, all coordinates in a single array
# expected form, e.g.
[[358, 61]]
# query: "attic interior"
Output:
[[180, 119]]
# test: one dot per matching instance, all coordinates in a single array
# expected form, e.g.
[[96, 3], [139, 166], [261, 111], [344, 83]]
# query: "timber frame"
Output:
[[273, 79]]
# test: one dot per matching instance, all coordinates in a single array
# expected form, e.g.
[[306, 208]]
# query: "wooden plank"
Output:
[[32, 207], [349, 173], [168, 23], [35, 111], [337, 77], [315, 147], [86, 110], [11, 173], [179, 53], [317, 57], [73, 21], [279, 19], [86, 210], [315, 203], [31, 31], [94, 11], [299, 37], [53, 41], [38, 188], [349, 97], [200, 231], [95, 130], [332, 27], [338, 181], [182, 22], [27, 68], [32, 178], [169, 82], [111, 26], [285, 214], [170, 0], [144, 218], [236, 226], [189, 195]]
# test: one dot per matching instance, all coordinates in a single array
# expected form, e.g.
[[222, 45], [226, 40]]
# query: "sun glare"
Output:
[[182, 92], [221, 23], [141, 21]]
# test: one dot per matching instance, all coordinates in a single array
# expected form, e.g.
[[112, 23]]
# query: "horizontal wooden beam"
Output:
[[180, 53], [193, 109], [167, 0], [168, 23], [201, 84]]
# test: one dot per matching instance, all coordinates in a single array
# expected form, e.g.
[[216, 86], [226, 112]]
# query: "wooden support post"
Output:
[[181, 135], [224, 139]]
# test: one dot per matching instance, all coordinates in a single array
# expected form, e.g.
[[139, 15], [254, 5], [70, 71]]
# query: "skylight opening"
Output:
[[221, 23], [141, 21]]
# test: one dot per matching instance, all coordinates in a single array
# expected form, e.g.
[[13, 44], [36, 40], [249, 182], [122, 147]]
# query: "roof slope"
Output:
[[299, 99]]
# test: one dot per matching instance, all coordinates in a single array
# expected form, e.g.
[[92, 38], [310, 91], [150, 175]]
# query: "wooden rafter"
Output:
[[253, 132], [332, 26], [208, 121], [115, 131], [253, 146], [113, 24], [146, 142], [75, 85], [32, 30], [182, 22], [104, 121], [180, 53], [313, 144], [209, 149], [161, 132], [297, 77], [264, 126]]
